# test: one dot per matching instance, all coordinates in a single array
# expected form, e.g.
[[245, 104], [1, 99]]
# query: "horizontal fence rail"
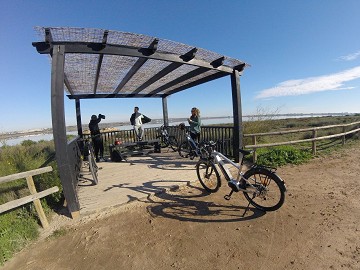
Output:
[[34, 197], [223, 135], [314, 138]]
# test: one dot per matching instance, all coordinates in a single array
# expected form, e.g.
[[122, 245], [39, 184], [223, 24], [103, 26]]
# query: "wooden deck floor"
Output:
[[137, 178]]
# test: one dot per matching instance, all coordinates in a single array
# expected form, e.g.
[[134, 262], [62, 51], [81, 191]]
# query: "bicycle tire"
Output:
[[184, 149], [93, 167], [173, 143], [208, 175], [270, 199]]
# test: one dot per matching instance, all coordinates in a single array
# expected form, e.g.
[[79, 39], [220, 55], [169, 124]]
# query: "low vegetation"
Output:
[[21, 225], [282, 155]]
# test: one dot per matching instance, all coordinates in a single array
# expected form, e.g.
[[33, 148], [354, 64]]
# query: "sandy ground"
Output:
[[317, 228]]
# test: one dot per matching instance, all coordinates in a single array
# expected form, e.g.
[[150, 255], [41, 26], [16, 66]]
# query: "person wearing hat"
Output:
[[96, 136]]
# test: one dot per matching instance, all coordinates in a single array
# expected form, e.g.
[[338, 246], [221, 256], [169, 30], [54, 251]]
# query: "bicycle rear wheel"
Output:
[[184, 149], [93, 166], [208, 175], [269, 192], [173, 143]]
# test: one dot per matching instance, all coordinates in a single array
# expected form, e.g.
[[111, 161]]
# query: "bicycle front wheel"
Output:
[[93, 167], [208, 175], [173, 143], [269, 189], [184, 149]]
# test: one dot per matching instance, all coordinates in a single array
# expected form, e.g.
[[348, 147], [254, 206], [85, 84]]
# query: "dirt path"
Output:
[[317, 228]]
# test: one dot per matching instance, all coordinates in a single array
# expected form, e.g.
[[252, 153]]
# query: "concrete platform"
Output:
[[134, 179]]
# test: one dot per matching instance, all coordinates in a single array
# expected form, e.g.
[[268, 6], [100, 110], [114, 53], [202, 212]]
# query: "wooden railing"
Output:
[[74, 156], [222, 135], [34, 197], [314, 138]]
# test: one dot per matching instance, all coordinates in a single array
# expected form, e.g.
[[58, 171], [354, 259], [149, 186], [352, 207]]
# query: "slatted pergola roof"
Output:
[[97, 63], [112, 64]]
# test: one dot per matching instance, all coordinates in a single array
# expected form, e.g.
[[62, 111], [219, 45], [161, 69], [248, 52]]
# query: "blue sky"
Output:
[[304, 55]]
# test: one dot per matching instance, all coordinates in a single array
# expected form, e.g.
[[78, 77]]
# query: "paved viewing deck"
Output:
[[136, 178]]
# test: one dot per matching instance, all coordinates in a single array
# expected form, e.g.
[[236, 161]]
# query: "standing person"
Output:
[[96, 136], [195, 124], [137, 119]]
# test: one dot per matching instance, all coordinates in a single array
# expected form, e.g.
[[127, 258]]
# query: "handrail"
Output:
[[300, 141], [16, 176], [34, 197], [300, 130], [314, 139]]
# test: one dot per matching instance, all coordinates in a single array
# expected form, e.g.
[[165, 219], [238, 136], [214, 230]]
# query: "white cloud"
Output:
[[350, 57], [311, 85]]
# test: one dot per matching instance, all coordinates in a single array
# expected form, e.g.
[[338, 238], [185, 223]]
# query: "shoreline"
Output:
[[45, 131]]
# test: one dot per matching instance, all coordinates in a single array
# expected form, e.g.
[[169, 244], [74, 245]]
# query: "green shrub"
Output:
[[279, 156], [19, 226]]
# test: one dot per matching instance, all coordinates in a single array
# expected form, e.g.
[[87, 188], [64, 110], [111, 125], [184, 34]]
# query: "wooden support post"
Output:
[[37, 203], [165, 112], [59, 128], [344, 136], [78, 117], [254, 149], [237, 113], [314, 142]]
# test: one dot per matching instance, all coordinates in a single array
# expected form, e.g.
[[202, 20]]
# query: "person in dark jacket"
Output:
[[137, 119], [96, 136]]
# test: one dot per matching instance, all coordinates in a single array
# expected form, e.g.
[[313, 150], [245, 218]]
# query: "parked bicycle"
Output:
[[190, 148], [166, 140], [260, 185], [89, 159]]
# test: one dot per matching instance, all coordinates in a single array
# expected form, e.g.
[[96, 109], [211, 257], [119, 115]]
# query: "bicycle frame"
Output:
[[221, 160]]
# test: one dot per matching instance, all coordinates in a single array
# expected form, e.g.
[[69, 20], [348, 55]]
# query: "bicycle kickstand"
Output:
[[246, 209], [228, 197]]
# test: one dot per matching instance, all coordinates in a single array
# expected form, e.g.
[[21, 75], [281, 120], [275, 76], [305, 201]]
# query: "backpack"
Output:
[[116, 156]]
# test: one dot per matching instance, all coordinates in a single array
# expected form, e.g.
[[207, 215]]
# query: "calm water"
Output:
[[205, 122]]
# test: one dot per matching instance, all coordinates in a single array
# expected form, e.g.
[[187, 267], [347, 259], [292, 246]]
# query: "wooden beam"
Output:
[[59, 127], [16, 176], [237, 113], [165, 112], [115, 49], [78, 117], [16, 203]]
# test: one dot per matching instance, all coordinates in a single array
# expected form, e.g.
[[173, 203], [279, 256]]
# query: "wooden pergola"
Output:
[[97, 63]]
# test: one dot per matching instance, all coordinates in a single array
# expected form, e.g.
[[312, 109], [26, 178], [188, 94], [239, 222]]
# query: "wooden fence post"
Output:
[[254, 150], [314, 142], [37, 203], [343, 138]]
